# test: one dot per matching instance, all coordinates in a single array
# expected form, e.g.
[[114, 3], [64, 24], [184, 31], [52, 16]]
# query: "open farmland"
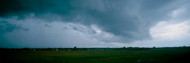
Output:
[[107, 55]]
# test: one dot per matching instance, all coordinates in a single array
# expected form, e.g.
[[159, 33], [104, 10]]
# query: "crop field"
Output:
[[151, 55]]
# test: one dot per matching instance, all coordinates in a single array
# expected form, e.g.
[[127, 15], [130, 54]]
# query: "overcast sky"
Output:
[[94, 23]]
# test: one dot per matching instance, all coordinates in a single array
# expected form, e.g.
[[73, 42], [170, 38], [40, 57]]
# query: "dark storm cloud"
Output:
[[8, 27], [130, 19], [11, 6]]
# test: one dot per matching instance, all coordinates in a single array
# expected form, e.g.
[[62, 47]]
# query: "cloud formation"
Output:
[[105, 22]]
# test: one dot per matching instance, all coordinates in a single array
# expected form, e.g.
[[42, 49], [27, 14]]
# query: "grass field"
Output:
[[154, 55]]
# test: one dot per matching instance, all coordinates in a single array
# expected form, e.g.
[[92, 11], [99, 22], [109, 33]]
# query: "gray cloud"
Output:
[[128, 19], [8, 27]]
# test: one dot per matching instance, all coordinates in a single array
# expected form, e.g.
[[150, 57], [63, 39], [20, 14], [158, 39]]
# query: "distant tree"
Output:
[[184, 46], [124, 47], [130, 47], [75, 48], [153, 47]]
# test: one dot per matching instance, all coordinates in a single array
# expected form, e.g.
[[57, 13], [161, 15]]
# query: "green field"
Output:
[[154, 55]]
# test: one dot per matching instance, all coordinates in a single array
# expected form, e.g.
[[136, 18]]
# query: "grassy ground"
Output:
[[128, 56]]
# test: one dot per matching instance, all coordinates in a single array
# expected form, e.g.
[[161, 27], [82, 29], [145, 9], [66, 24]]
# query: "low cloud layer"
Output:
[[93, 23]]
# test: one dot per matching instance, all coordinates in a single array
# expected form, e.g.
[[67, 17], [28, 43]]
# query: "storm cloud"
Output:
[[67, 23]]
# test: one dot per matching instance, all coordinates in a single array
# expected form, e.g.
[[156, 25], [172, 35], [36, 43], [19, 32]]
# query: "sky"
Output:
[[94, 23]]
